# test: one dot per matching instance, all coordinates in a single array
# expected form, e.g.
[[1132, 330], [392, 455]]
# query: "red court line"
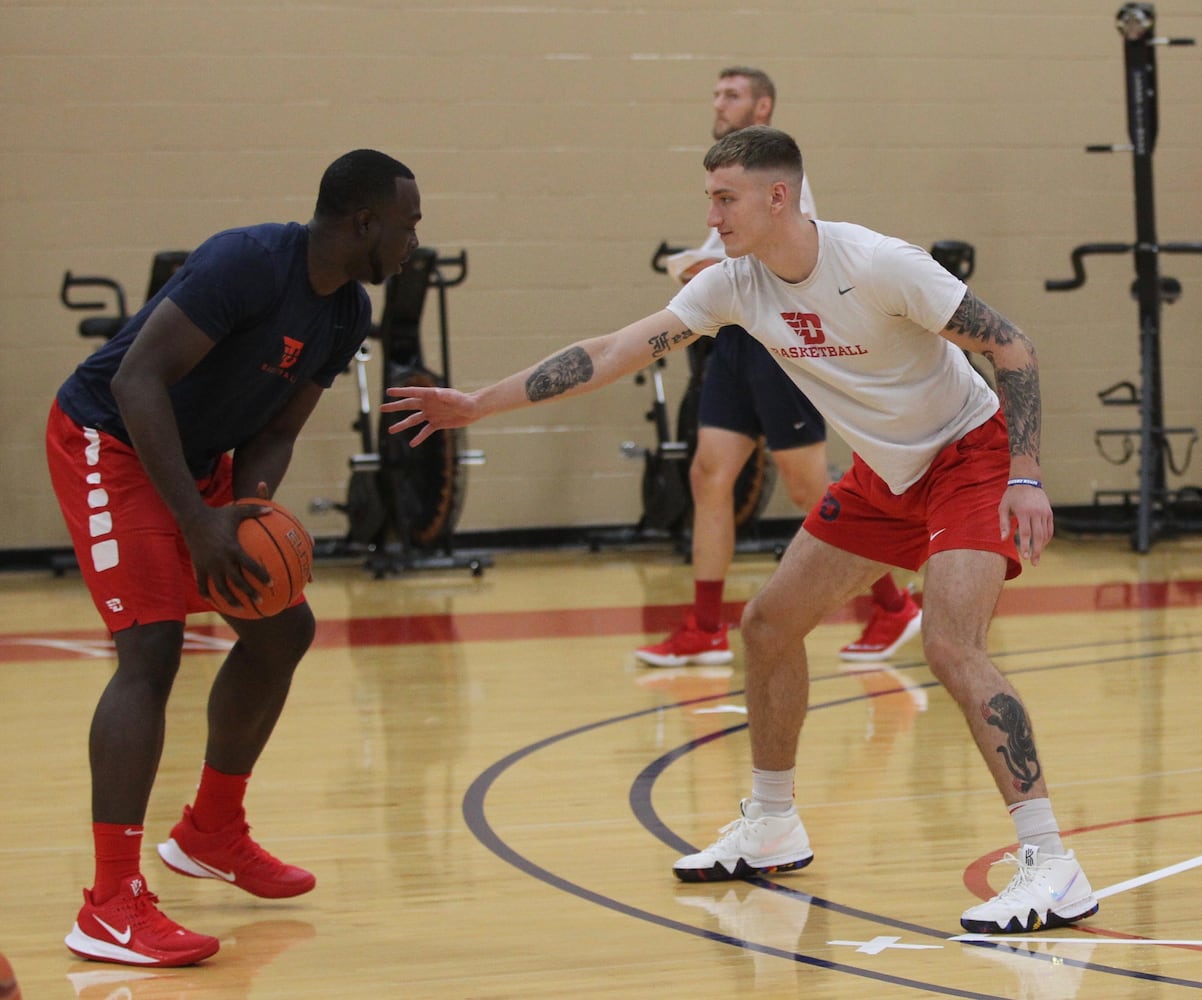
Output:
[[567, 623]]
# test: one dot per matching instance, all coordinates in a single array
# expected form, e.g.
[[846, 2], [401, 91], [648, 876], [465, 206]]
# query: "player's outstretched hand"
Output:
[[1028, 510], [434, 408]]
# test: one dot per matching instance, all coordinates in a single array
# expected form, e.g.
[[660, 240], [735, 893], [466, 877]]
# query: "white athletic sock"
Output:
[[773, 790], [1035, 824]]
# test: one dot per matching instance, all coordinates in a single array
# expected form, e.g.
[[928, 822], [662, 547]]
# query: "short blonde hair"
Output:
[[758, 147]]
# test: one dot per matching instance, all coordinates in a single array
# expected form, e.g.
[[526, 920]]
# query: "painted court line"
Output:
[[1044, 939], [1134, 883]]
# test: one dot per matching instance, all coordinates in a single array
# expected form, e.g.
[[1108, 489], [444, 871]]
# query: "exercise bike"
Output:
[[164, 264], [666, 493], [403, 503]]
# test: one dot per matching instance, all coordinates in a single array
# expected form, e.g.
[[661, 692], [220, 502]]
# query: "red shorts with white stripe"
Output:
[[130, 549], [953, 506]]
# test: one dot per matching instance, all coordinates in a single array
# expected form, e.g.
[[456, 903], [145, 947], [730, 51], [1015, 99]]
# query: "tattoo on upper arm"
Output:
[[1018, 388], [557, 375], [975, 319], [1007, 713], [662, 343]]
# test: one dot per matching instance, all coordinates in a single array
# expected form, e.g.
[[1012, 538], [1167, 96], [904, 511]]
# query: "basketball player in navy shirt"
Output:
[[196, 402]]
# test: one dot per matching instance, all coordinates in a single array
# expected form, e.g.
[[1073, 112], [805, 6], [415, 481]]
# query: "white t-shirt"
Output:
[[860, 338]]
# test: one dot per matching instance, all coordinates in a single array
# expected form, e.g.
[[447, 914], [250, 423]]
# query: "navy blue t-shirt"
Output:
[[249, 290]]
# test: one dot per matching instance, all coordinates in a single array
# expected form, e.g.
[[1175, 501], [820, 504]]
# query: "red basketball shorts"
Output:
[[129, 547], [953, 506]]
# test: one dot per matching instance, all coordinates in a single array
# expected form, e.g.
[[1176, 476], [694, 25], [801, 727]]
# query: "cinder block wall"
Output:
[[558, 143]]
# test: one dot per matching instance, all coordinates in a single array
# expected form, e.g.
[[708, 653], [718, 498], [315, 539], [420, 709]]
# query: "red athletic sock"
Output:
[[218, 799], [118, 850], [887, 594], [707, 604]]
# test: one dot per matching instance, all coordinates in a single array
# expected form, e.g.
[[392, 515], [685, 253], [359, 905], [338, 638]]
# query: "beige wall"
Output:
[[558, 143]]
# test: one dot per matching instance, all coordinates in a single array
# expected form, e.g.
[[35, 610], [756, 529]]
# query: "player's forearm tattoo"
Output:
[[1017, 388], [1007, 713], [557, 375]]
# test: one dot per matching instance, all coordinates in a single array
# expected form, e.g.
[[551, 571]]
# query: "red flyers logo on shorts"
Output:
[[292, 350], [830, 508], [808, 326]]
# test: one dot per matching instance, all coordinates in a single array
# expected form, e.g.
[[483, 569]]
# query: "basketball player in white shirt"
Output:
[[946, 474], [745, 394]]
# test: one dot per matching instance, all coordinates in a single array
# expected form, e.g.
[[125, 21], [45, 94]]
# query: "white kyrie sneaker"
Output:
[[1047, 891], [753, 844]]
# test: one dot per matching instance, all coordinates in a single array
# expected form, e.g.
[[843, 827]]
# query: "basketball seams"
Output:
[[290, 558], [281, 558]]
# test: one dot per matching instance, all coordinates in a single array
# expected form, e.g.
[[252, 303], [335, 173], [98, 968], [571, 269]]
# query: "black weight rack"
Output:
[[1152, 510]]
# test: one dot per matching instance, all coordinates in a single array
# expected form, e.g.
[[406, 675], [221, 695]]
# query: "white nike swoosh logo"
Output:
[[121, 937], [227, 876], [936, 534]]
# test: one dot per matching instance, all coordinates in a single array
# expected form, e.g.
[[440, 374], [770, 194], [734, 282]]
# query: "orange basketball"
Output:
[[9, 989], [280, 543]]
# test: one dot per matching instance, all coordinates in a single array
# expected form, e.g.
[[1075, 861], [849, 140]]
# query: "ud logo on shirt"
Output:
[[808, 326], [292, 350], [291, 355]]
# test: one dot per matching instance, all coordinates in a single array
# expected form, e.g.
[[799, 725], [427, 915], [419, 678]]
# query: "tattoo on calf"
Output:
[[559, 374], [1007, 714]]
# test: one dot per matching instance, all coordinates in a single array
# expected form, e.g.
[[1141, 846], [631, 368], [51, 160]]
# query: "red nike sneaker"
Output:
[[688, 644], [885, 633], [231, 856], [130, 929]]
